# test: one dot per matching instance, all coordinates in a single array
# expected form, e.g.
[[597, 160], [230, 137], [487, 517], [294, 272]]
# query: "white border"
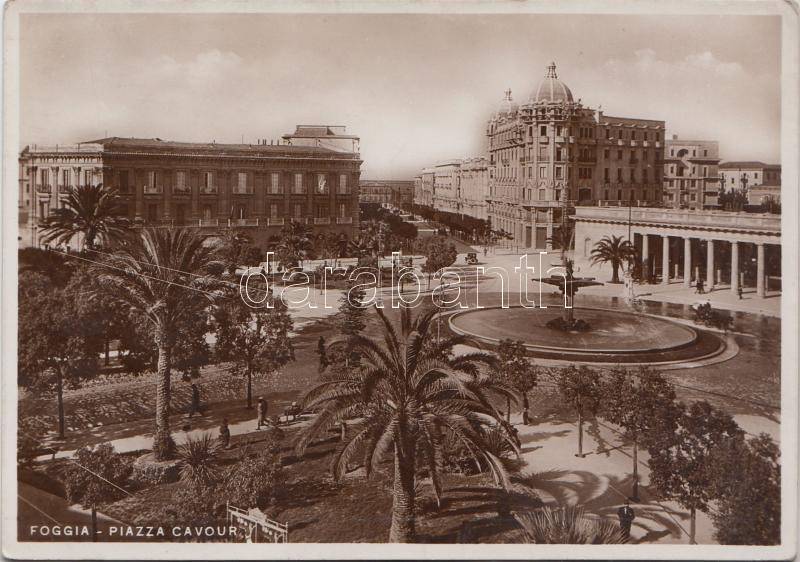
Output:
[[788, 10]]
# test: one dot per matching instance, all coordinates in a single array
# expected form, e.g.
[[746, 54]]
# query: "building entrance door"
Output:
[[528, 236], [541, 237]]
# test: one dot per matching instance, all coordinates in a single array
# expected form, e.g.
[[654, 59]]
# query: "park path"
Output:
[[601, 481]]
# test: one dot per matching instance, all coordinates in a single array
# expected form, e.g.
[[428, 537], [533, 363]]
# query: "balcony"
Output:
[[561, 139], [645, 144], [276, 222], [208, 222], [344, 220], [322, 220], [44, 189], [208, 190], [242, 222], [246, 191], [620, 142], [64, 188], [153, 189], [544, 140], [658, 144], [182, 190]]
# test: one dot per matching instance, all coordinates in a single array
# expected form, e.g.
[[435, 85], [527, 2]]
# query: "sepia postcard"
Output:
[[400, 280]]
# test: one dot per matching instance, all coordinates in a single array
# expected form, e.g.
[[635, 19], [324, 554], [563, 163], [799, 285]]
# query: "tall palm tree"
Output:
[[90, 210], [614, 250], [159, 274], [294, 245], [409, 393]]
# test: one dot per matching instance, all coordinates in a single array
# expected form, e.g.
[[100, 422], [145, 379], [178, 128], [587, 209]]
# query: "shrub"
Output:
[[252, 482], [199, 460], [567, 525]]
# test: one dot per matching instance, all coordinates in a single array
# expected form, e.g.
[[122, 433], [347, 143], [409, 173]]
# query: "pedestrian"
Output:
[[224, 434], [485, 249], [626, 517], [739, 292], [700, 288], [194, 407], [262, 412]]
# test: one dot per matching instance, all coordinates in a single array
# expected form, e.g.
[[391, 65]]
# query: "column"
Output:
[[687, 262], [195, 180], [665, 260], [760, 290], [734, 267], [709, 265], [138, 186], [645, 258]]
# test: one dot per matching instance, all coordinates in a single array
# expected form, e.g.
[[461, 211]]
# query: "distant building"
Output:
[[426, 188], [474, 187], [207, 186], [446, 185], [389, 193], [691, 174], [552, 148], [761, 181]]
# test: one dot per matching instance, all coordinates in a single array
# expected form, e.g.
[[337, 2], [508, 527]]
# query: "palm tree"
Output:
[[90, 210], [294, 245], [568, 525], [410, 394], [613, 250], [158, 273]]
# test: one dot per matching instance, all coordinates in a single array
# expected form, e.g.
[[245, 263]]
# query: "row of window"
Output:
[[243, 184], [66, 176], [180, 212], [681, 169]]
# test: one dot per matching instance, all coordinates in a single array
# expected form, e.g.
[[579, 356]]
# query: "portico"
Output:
[[723, 249]]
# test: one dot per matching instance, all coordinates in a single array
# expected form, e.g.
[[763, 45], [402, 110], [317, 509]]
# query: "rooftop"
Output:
[[747, 164]]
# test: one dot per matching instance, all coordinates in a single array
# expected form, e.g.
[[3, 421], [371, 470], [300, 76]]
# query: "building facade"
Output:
[[207, 186], [760, 181], [691, 174], [389, 193], [727, 250], [446, 185], [551, 152], [473, 187], [426, 188]]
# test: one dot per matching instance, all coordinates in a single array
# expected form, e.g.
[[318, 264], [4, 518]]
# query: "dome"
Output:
[[507, 106], [551, 89]]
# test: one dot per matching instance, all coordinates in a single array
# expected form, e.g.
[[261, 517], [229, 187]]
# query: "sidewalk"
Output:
[[601, 481]]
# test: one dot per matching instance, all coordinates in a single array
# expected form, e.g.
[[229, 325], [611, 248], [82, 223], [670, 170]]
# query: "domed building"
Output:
[[551, 153]]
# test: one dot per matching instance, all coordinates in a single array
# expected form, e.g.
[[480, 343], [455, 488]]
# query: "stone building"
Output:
[[389, 193], [691, 174], [761, 181], [426, 188], [208, 186], [473, 187], [727, 250], [446, 185], [552, 148]]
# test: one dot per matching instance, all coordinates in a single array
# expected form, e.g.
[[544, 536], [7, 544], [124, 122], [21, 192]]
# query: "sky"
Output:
[[415, 88]]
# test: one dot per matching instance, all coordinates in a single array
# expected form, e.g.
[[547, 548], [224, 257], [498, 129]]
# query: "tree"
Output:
[[254, 340], [408, 393], [254, 480], [682, 463], [516, 371], [95, 476], [613, 250], [747, 488], [89, 210], [439, 253], [161, 275], [294, 245], [642, 403], [581, 388], [237, 249], [56, 344], [567, 525]]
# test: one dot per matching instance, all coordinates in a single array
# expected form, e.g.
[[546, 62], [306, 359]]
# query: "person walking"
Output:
[[224, 438], [700, 287], [626, 517], [262, 412], [739, 292]]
